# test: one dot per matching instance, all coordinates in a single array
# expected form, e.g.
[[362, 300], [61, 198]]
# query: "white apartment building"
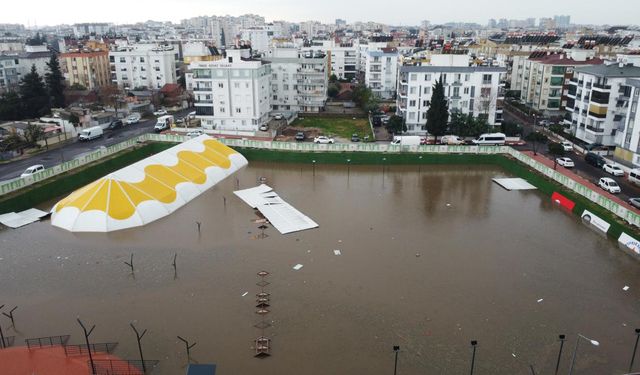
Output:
[[343, 60], [260, 37], [472, 90], [143, 65], [362, 48], [14, 66], [231, 94], [628, 140], [299, 80], [598, 102], [381, 72]]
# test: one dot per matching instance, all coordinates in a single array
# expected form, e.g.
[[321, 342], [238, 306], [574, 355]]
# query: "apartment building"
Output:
[[342, 59], [13, 66], [231, 94], [628, 140], [299, 80], [543, 78], [381, 72], [599, 104], [259, 37], [86, 67], [472, 90], [143, 65]]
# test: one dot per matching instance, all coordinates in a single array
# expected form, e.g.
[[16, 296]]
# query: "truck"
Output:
[[406, 140], [91, 133], [163, 123]]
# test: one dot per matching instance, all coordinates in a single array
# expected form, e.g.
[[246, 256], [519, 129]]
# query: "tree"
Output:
[[33, 133], [396, 125], [536, 138], [55, 82], [361, 95], [467, 125], [511, 129], [333, 90], [438, 112], [182, 81], [10, 107], [109, 95], [33, 94], [74, 119], [11, 142], [333, 78], [556, 150], [36, 40]]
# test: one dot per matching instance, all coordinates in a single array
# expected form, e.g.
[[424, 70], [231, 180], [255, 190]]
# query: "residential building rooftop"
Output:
[[562, 59], [611, 71], [451, 69]]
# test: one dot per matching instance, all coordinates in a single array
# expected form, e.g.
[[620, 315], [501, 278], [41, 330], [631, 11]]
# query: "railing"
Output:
[[594, 129], [121, 367], [81, 349], [602, 87], [41, 342]]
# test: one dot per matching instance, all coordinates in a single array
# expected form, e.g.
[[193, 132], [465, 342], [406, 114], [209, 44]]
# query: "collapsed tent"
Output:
[[149, 189]]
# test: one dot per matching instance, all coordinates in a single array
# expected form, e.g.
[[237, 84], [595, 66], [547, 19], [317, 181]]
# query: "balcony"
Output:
[[204, 101], [594, 129], [601, 87], [202, 88]]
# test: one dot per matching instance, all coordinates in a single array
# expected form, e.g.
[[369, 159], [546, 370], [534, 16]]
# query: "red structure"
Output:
[[563, 201]]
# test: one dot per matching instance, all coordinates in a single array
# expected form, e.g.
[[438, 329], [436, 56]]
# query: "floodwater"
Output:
[[432, 257]]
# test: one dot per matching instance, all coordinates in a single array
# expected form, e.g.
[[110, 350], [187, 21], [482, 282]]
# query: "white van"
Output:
[[406, 140], [634, 176], [491, 139], [163, 123], [90, 133]]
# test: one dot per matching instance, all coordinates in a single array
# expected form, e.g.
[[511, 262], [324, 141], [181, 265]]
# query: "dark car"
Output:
[[300, 136], [355, 138], [594, 159], [377, 120], [117, 124]]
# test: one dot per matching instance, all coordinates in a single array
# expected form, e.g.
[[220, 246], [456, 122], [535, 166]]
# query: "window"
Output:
[[236, 85], [221, 110], [425, 103], [427, 90], [112, 59], [221, 85], [142, 59], [467, 77], [427, 77], [466, 90], [238, 110], [412, 90], [412, 115], [413, 77], [412, 103], [424, 115], [122, 60], [486, 79]]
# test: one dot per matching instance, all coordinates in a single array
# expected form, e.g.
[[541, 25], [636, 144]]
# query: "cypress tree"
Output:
[[55, 82], [35, 101], [438, 113]]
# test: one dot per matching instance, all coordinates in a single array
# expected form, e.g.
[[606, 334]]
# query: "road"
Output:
[[581, 168], [74, 148]]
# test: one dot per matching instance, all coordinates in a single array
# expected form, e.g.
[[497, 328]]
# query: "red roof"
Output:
[[170, 88]]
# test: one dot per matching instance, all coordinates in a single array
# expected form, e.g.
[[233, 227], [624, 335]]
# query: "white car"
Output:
[[160, 112], [451, 140], [278, 116], [613, 169], [323, 140], [565, 162], [195, 133], [33, 170], [567, 146], [609, 185], [132, 119], [264, 127]]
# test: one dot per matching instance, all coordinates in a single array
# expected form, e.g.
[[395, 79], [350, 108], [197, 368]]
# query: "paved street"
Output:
[[75, 148]]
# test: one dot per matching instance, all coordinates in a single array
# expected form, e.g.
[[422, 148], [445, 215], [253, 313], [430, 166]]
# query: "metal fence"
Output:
[[41, 342], [121, 367], [81, 349]]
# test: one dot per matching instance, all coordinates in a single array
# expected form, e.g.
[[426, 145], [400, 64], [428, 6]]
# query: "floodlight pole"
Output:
[[562, 340], [635, 348], [86, 337], [474, 343], [396, 349], [139, 338]]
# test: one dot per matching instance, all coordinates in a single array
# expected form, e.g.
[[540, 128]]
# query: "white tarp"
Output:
[[284, 217], [514, 183], [629, 242], [19, 219], [149, 189], [595, 220]]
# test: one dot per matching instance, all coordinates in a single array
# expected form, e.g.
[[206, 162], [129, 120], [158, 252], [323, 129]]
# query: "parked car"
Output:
[[594, 159], [117, 124], [323, 140], [133, 118], [544, 123], [160, 112], [90, 133], [195, 133], [567, 146], [264, 127], [609, 185], [613, 169], [565, 162], [355, 138], [32, 170], [451, 140], [300, 136], [635, 202], [278, 116]]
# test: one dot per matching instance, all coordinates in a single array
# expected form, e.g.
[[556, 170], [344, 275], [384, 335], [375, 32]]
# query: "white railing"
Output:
[[585, 191]]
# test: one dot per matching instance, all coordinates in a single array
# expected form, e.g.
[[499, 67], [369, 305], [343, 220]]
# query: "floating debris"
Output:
[[245, 293], [625, 288], [337, 252], [297, 266], [540, 300]]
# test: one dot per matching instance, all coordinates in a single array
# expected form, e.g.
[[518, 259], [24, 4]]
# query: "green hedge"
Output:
[[70, 181]]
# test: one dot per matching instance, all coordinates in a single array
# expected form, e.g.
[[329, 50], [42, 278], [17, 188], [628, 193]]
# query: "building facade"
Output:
[[143, 65], [599, 103], [472, 90], [381, 72], [86, 67], [628, 140], [14, 66], [231, 94]]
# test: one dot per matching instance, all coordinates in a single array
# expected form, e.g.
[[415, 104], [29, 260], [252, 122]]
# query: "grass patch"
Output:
[[337, 126]]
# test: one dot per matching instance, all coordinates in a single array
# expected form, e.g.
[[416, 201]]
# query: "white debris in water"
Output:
[[540, 300], [513, 354], [297, 266], [245, 293], [448, 204], [339, 241], [337, 252], [625, 288], [308, 251]]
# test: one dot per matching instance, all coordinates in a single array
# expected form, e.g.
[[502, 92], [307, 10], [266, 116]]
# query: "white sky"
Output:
[[396, 12]]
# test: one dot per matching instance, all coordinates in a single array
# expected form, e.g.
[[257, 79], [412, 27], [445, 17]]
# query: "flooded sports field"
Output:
[[430, 258]]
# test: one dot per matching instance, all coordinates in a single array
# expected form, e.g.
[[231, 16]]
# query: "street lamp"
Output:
[[420, 164], [348, 168], [314, 167], [396, 349], [474, 343], [575, 350], [562, 340], [635, 348]]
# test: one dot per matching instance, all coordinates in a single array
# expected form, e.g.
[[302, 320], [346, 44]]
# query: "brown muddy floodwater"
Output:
[[430, 260]]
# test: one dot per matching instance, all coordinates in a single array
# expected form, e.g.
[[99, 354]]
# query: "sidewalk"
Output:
[[588, 183]]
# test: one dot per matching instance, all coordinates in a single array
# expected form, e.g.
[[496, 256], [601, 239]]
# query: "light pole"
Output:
[[635, 348], [348, 168], [383, 167], [562, 340], [474, 343], [396, 349], [420, 164], [314, 167], [575, 350], [86, 337]]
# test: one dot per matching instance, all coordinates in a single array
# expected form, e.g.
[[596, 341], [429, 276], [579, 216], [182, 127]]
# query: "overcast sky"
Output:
[[396, 12]]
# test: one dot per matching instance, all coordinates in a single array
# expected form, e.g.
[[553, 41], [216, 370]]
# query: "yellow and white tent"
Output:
[[149, 189]]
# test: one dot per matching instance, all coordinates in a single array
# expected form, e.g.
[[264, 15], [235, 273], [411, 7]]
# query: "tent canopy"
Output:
[[149, 189]]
